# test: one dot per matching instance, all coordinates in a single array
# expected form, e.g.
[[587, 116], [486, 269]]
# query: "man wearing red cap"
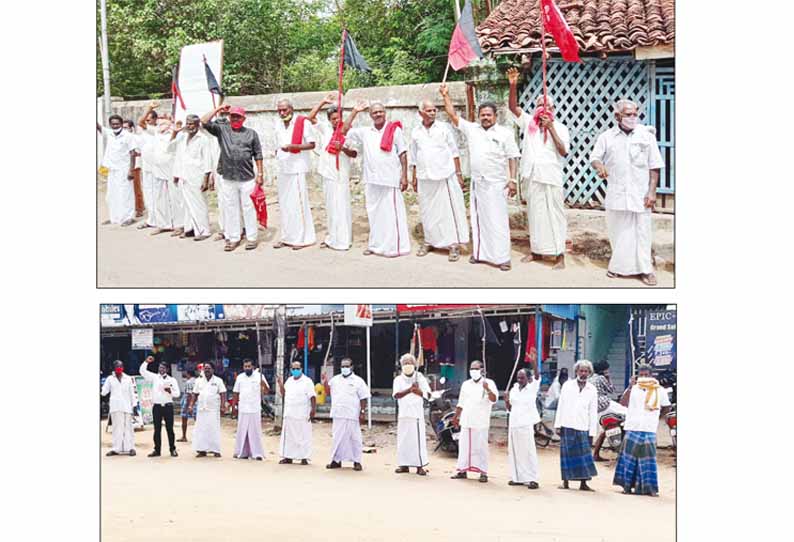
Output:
[[240, 148]]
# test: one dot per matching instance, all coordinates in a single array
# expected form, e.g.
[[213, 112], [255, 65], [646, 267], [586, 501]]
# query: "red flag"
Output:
[[554, 22], [260, 204], [175, 94], [464, 46]]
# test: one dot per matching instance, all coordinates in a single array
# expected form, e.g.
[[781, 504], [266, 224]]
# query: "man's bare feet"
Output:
[[560, 263], [219, 237], [649, 279], [528, 258], [177, 232]]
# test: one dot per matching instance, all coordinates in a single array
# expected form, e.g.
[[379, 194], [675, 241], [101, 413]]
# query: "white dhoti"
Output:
[[123, 435], [177, 202], [248, 442], [197, 217], [388, 222], [161, 210], [296, 438], [546, 217], [347, 443], [411, 443], [473, 450], [237, 195], [490, 223], [522, 456], [207, 433], [147, 186], [120, 197], [630, 235], [443, 212], [297, 225], [338, 214]]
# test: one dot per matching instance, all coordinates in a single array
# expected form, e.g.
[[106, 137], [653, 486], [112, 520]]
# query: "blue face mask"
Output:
[[346, 371], [296, 372]]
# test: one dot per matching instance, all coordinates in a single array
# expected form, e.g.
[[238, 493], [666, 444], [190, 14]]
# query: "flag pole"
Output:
[[543, 49], [446, 71]]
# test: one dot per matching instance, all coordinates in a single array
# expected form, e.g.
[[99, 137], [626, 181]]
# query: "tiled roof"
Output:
[[598, 25]]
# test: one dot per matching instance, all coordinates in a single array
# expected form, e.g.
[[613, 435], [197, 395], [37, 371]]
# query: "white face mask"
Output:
[[346, 371], [117, 131], [475, 374], [408, 370], [629, 123]]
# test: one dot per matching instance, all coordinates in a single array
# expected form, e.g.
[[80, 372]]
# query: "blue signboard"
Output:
[[155, 314], [660, 338]]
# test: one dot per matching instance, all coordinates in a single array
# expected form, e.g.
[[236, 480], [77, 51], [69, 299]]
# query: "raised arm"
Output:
[[151, 107], [144, 370], [358, 108], [210, 114], [512, 102], [448, 107], [331, 98]]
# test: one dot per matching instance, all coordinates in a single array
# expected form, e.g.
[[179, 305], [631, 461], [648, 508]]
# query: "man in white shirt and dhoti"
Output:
[[544, 148], [192, 174], [522, 456], [493, 155], [294, 141], [248, 389], [166, 205], [628, 157], [577, 423], [300, 405], [438, 180], [210, 393], [121, 388], [385, 176], [410, 388], [473, 416], [349, 394], [147, 131], [119, 159], [333, 167], [164, 390]]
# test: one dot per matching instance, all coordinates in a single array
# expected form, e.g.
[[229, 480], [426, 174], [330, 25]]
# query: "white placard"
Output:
[[142, 339], [193, 77]]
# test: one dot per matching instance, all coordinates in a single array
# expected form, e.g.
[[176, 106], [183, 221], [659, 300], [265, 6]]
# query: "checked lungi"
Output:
[[636, 467], [576, 458]]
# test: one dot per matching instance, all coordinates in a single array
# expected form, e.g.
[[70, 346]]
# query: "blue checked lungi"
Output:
[[576, 459], [637, 463], [184, 412]]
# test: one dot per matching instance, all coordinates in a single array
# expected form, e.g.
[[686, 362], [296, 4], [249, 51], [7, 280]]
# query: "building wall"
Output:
[[603, 323]]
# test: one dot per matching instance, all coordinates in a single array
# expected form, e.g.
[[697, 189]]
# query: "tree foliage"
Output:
[[276, 45]]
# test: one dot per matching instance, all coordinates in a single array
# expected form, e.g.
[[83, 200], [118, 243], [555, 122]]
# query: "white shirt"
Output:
[[122, 393], [117, 149], [638, 417], [250, 390], [628, 159], [290, 163], [475, 403], [411, 405], [159, 383], [378, 166], [326, 163], [432, 151], [193, 157], [523, 409], [540, 161], [298, 395], [346, 396], [146, 141], [208, 391], [578, 409], [489, 151], [162, 160]]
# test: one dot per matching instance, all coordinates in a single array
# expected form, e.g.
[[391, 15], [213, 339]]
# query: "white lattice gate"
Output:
[[584, 95]]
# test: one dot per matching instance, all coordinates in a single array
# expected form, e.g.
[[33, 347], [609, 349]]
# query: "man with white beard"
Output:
[[119, 159], [300, 404], [164, 202], [192, 172], [473, 417], [349, 394], [121, 388], [410, 388], [438, 180], [210, 393]]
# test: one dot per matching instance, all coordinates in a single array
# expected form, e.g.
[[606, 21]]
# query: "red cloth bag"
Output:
[[260, 204]]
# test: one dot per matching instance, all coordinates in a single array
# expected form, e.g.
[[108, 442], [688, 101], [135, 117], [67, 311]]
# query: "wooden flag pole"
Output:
[[446, 71], [543, 49]]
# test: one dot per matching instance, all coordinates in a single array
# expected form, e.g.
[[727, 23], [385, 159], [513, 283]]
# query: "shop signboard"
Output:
[[142, 338], [199, 313], [660, 342], [358, 315], [422, 308], [247, 312], [145, 401], [155, 314]]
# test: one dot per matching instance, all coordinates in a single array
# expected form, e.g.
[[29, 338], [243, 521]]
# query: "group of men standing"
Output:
[[179, 168]]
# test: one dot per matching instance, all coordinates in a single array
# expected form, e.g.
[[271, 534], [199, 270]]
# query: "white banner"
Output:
[[193, 77], [358, 315]]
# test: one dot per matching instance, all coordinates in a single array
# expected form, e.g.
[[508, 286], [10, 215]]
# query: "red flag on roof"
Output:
[[554, 22], [464, 46]]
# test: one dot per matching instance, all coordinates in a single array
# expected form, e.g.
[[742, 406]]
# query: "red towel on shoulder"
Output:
[[297, 132], [387, 140], [338, 136]]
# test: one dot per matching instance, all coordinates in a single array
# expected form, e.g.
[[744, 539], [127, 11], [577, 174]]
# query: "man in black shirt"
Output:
[[240, 147]]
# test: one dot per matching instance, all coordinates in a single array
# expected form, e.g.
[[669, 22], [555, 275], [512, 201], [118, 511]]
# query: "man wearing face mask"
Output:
[[211, 396], [164, 390], [385, 177], [410, 388], [577, 422], [493, 159], [349, 394], [300, 404], [146, 140], [438, 180], [192, 170], [248, 389], [121, 386], [294, 143], [240, 148], [473, 416], [628, 156], [119, 159], [522, 456], [545, 145]]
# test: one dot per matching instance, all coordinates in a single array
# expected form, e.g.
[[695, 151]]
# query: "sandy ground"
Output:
[[224, 499], [127, 257]]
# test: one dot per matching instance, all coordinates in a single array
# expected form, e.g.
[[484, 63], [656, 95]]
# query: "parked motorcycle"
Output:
[[441, 415], [672, 424], [543, 434], [612, 424], [104, 401]]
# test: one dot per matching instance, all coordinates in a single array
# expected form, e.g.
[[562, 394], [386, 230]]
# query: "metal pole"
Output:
[[281, 322], [396, 354], [306, 349], [369, 383], [105, 57], [539, 336]]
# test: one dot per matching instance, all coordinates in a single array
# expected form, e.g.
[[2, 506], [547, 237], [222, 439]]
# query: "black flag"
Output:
[[212, 83], [352, 57]]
